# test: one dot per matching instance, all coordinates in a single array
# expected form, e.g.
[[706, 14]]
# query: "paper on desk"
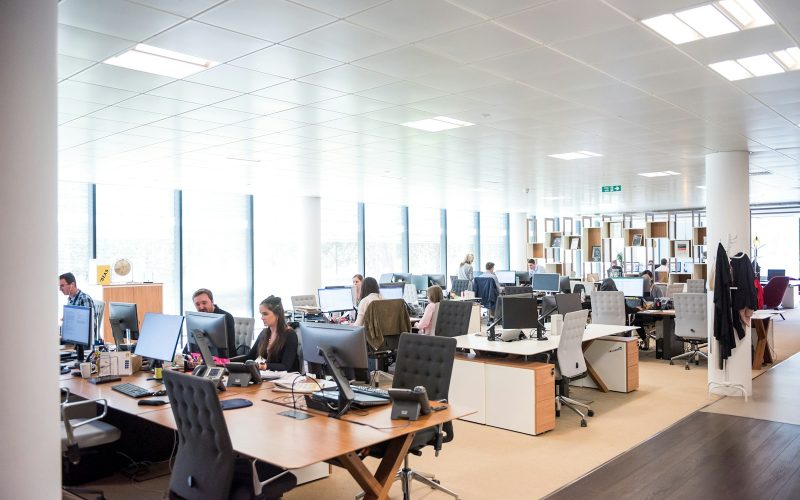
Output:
[[273, 375]]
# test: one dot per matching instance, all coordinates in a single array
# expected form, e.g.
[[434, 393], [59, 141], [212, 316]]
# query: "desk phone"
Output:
[[213, 373]]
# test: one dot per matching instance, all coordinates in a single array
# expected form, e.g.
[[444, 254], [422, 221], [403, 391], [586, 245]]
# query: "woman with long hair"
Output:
[[370, 291], [465, 271], [276, 346], [435, 295]]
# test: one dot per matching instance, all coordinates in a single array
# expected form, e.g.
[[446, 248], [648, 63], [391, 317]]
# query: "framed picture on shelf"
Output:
[[574, 244], [637, 240], [616, 229], [595, 254], [682, 249], [556, 242]]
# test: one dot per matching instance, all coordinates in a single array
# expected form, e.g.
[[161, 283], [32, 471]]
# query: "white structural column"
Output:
[[310, 244], [30, 464], [728, 221], [518, 240]]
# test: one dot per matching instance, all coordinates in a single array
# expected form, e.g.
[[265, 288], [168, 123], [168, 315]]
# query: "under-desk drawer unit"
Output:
[[520, 397], [614, 360], [468, 387]]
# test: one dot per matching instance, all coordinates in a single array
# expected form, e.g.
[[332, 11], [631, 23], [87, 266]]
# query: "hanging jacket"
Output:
[[744, 299], [723, 314]]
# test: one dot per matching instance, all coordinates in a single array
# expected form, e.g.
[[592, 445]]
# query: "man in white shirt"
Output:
[[663, 268]]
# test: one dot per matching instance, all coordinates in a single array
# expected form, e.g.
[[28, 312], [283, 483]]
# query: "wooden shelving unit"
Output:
[[536, 250], [700, 271], [656, 229]]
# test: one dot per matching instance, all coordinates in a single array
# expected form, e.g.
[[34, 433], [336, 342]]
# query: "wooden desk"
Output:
[[260, 432], [762, 321]]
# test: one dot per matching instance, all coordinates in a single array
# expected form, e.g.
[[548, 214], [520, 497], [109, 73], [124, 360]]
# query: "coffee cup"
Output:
[[86, 370]]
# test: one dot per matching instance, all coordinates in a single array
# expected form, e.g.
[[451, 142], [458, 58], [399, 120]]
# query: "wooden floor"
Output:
[[706, 456]]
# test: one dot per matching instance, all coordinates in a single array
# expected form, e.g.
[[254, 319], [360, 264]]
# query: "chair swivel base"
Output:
[[693, 355], [571, 404], [406, 475]]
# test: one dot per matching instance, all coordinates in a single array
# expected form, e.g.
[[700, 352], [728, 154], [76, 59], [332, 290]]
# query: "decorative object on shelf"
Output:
[[682, 249], [122, 267], [595, 254], [574, 244], [556, 243], [616, 229], [637, 240], [103, 274]]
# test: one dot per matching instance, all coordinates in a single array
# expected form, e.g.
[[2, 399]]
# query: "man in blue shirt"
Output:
[[69, 287], [534, 268]]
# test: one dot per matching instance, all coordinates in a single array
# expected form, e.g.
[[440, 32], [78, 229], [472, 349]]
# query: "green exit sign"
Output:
[[612, 189]]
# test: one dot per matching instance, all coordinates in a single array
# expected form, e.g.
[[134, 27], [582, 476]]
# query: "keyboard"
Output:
[[370, 391], [132, 390], [361, 401]]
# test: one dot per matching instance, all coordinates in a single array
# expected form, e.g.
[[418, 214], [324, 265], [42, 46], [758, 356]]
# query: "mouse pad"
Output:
[[232, 404]]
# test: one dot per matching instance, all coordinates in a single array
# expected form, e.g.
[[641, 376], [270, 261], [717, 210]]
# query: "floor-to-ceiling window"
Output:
[[778, 240], [339, 241], [462, 238], [383, 235], [74, 230], [494, 239], [425, 240]]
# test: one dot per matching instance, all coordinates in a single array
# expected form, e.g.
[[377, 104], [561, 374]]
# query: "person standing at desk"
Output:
[[276, 346], [76, 297], [370, 291], [465, 271], [435, 296], [204, 302]]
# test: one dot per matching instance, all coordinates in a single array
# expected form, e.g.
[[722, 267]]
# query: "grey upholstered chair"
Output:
[[696, 286], [309, 300], [243, 333], [691, 325], [452, 318], [608, 308], [570, 363], [674, 288], [205, 465]]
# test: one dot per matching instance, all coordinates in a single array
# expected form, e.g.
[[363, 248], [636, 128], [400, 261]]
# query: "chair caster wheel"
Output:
[[583, 423], [436, 481], [671, 362], [687, 367], [591, 413], [697, 363]]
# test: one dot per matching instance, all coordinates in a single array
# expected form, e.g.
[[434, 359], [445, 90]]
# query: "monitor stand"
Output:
[[201, 339], [346, 394]]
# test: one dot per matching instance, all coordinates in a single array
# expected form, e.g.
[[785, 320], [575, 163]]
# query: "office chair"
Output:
[[564, 284], [486, 290], [206, 466], [696, 286], [384, 321], [674, 288], [243, 333], [691, 325], [459, 286], [570, 363], [83, 432], [452, 318], [662, 277], [517, 290], [608, 308], [428, 362], [303, 303], [774, 291]]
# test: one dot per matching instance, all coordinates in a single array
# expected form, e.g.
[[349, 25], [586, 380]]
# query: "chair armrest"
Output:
[[69, 427], [67, 394]]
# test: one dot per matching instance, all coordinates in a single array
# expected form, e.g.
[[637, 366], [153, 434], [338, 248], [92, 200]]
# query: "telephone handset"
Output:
[[243, 374], [409, 404], [213, 373]]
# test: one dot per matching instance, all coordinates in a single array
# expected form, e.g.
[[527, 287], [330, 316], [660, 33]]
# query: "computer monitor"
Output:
[[207, 335], [386, 278], [160, 335], [123, 317], [523, 277], [545, 282], [77, 328], [772, 273], [335, 299], [568, 302], [420, 281], [410, 294], [519, 311], [506, 277], [630, 287], [438, 279], [402, 277], [392, 290], [564, 284]]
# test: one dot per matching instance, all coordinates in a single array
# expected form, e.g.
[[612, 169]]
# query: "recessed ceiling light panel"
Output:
[[437, 124], [663, 173], [158, 61], [761, 65], [731, 70], [575, 155], [672, 28], [713, 19], [707, 20], [747, 13]]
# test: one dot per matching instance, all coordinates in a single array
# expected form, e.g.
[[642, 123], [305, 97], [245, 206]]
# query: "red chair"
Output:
[[774, 291]]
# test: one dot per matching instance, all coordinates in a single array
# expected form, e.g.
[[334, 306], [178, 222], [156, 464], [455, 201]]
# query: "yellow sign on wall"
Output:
[[104, 274]]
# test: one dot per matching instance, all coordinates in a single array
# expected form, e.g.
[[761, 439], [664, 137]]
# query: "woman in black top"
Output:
[[277, 343]]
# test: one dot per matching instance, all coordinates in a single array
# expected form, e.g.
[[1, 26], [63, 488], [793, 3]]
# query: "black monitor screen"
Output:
[[213, 326], [392, 290], [523, 276], [507, 277], [568, 302], [348, 342], [438, 279], [159, 336], [77, 326], [402, 277], [545, 282], [771, 273], [519, 312], [122, 316], [630, 287], [564, 285], [420, 281], [335, 299]]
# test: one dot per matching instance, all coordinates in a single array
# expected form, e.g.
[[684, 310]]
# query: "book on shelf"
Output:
[[637, 240]]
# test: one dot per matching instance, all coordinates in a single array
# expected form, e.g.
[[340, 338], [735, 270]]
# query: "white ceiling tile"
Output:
[[299, 92], [235, 78], [236, 132], [412, 20], [493, 8], [448, 104], [459, 79], [771, 83], [77, 107], [352, 104], [193, 92], [254, 104], [355, 124], [127, 115], [342, 41], [63, 118], [121, 78], [185, 124], [503, 93], [739, 44], [477, 42], [285, 61], [402, 93], [92, 93], [679, 80], [340, 8], [407, 62], [218, 115], [115, 17], [648, 64], [629, 40], [529, 65], [270, 124], [68, 65], [184, 8], [347, 78], [316, 132], [84, 44], [308, 114], [644, 10], [273, 20], [147, 102], [207, 42], [101, 125]]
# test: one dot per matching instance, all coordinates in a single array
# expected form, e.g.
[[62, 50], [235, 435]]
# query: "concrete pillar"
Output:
[[311, 247], [518, 241], [728, 221], [30, 464]]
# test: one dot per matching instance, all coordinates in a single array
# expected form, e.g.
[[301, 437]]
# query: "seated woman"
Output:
[[370, 291], [435, 296], [276, 346]]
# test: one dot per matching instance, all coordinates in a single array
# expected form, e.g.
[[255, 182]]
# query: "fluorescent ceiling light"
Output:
[[761, 65], [437, 124], [731, 70], [701, 187], [747, 13], [672, 28], [663, 173], [790, 57], [575, 155], [158, 61], [707, 20]]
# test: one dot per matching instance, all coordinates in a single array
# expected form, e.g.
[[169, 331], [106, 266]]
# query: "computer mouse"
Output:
[[151, 402], [161, 392]]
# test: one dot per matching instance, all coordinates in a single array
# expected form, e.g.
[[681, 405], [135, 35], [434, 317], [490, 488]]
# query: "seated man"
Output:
[[534, 268], [69, 287], [490, 274], [204, 302]]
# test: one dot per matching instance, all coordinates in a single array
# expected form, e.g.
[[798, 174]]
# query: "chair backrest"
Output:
[[309, 300], [516, 290], [243, 333], [204, 463], [564, 284], [459, 286], [426, 361], [385, 318], [662, 276], [691, 315], [696, 286], [608, 308], [452, 318], [674, 288], [570, 353], [774, 291]]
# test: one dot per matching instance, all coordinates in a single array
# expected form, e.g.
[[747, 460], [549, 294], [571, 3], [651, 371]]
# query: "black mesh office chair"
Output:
[[206, 466], [426, 361], [452, 319]]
